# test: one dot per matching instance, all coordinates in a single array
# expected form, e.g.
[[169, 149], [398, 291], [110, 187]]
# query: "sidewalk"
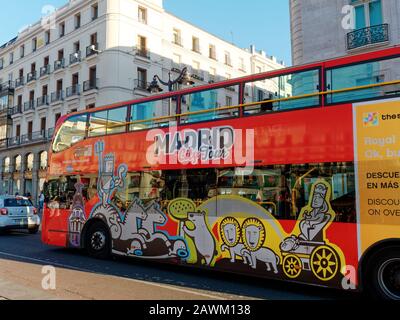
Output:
[[22, 281]]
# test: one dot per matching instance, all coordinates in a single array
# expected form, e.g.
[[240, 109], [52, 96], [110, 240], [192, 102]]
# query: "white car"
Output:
[[18, 213]]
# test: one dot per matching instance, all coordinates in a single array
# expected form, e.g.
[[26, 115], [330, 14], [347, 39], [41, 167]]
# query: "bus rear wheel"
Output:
[[383, 277], [97, 241]]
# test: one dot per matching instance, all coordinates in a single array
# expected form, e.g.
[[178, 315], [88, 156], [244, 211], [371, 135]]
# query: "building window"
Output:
[[242, 66], [60, 54], [142, 15], [29, 162], [367, 13], [61, 29], [22, 51], [93, 41], [95, 11], [43, 160], [47, 37], [77, 47], [142, 46], [43, 124], [196, 65], [11, 57], [57, 116], [7, 165], [18, 130], [176, 58], [34, 44], [77, 21], [142, 78], [177, 39], [213, 73], [18, 163], [228, 60], [212, 52], [90, 106], [1, 63], [196, 44]]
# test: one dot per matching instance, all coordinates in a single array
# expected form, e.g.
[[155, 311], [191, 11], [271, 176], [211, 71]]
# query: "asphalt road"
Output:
[[24, 254]]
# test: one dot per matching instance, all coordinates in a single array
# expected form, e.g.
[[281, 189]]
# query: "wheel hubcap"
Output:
[[98, 240], [389, 278]]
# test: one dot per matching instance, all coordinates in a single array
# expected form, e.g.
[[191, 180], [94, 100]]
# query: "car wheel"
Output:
[[33, 230], [97, 241], [383, 275]]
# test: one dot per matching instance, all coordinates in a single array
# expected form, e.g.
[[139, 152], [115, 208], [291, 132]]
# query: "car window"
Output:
[[17, 203]]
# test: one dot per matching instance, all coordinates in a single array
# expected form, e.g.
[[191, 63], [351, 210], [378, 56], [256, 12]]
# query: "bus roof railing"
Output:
[[250, 104]]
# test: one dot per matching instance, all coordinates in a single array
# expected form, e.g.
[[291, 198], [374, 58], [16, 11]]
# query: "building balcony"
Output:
[[31, 76], [42, 101], [59, 64], [29, 138], [57, 96], [6, 88], [197, 74], [3, 144], [90, 85], [14, 141], [45, 70], [19, 82], [141, 84], [75, 58], [73, 91], [92, 50], [143, 53], [29, 105], [368, 36], [178, 42], [16, 110]]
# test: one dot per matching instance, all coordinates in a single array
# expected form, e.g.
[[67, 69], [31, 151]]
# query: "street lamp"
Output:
[[183, 78]]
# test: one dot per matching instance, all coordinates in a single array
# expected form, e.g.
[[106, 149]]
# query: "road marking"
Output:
[[113, 276]]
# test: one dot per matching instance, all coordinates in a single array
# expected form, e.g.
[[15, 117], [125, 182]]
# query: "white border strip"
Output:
[[173, 288], [356, 167]]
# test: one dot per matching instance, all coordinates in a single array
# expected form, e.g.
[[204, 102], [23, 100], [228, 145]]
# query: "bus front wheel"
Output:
[[383, 274], [97, 241]]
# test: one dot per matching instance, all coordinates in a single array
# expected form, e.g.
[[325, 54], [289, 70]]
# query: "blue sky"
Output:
[[264, 23]]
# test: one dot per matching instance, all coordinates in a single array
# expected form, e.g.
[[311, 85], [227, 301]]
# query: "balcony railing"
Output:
[[73, 91], [92, 49], [32, 137], [7, 86], [3, 143], [16, 110], [14, 141], [197, 74], [59, 64], [31, 76], [19, 82], [90, 85], [142, 52], [367, 36], [141, 84], [57, 96], [75, 57], [45, 70], [42, 101], [29, 105]]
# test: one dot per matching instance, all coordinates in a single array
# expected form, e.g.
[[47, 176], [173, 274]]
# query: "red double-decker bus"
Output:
[[291, 174]]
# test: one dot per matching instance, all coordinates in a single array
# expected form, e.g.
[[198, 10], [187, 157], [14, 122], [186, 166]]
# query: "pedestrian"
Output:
[[41, 201]]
